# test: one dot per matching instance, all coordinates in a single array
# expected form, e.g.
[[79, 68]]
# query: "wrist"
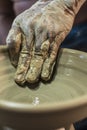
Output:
[[74, 5]]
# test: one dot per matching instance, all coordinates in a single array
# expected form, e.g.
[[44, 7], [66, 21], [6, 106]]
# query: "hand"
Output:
[[35, 37]]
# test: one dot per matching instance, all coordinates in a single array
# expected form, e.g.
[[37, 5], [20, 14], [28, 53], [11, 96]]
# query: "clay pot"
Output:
[[50, 105]]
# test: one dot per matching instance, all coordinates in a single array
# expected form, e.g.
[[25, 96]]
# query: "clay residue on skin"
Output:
[[36, 35], [35, 69]]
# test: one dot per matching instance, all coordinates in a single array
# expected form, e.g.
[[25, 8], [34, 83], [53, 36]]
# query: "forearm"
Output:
[[73, 5]]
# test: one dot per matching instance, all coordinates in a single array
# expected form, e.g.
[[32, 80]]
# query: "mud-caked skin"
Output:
[[36, 35]]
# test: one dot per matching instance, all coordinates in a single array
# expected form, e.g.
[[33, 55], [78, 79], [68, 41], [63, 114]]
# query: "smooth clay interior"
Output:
[[69, 80]]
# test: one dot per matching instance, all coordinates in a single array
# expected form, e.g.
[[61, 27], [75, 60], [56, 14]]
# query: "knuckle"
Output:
[[39, 29]]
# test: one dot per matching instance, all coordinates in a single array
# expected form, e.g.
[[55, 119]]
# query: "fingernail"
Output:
[[19, 79]]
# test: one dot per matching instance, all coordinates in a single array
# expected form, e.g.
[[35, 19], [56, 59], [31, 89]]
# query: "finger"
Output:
[[24, 60], [37, 63], [14, 42], [38, 58], [45, 49], [35, 69], [50, 61]]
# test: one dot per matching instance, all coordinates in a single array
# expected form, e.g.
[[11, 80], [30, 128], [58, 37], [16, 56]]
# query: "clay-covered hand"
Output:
[[35, 37]]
